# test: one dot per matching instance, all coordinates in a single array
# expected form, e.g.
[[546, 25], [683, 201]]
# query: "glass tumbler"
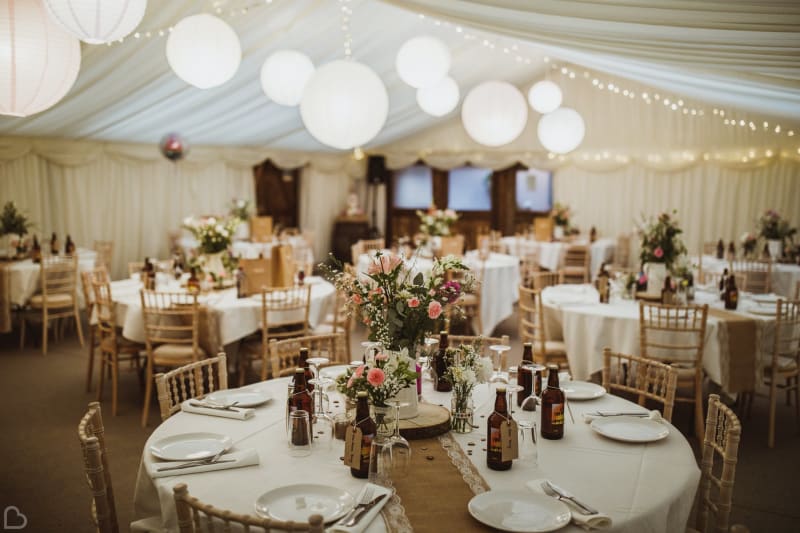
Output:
[[298, 433]]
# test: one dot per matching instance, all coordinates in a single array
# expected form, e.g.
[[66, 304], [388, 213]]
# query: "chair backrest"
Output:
[[88, 278], [261, 229], [452, 245], [576, 256], [257, 275], [105, 310], [757, 274], [283, 265], [195, 516], [104, 251], [283, 354], [284, 313], [95, 464], [721, 441], [786, 343], [59, 275], [647, 378], [531, 320], [622, 252], [135, 267], [192, 381], [478, 341], [171, 317], [369, 245], [543, 228], [712, 278], [542, 280], [673, 333], [710, 248]]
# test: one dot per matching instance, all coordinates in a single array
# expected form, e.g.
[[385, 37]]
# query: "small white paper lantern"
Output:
[[423, 61], [204, 51], [494, 113], [345, 104], [39, 61], [545, 97], [284, 76], [97, 21], [438, 100], [561, 131]]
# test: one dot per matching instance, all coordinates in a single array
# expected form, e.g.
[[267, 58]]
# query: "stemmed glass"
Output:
[[323, 423], [497, 375], [370, 349], [393, 455]]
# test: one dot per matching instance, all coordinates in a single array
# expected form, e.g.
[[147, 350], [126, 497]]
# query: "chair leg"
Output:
[[44, 333], [797, 402], [773, 399], [78, 324], [102, 371], [22, 332], [148, 390], [90, 369], [114, 381], [699, 419]]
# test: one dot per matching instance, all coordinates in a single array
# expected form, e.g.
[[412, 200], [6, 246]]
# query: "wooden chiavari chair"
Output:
[[195, 516], [675, 335], [337, 321], [575, 264], [95, 464], [542, 280], [710, 248], [105, 252], [757, 275], [622, 251], [88, 277], [59, 297], [532, 329], [797, 290], [648, 379], [188, 382], [282, 355], [135, 267], [713, 278], [171, 326]]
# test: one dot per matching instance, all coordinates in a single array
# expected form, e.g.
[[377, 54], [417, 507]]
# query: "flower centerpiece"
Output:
[[561, 214], [661, 246], [240, 208], [14, 224], [775, 230], [214, 236], [435, 223], [749, 242], [467, 368]]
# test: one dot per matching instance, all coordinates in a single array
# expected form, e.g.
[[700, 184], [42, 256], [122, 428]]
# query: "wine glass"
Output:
[[370, 349], [399, 448], [497, 353], [324, 424]]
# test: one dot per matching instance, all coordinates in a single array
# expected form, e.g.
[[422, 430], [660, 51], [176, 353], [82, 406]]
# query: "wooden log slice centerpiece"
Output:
[[432, 420]]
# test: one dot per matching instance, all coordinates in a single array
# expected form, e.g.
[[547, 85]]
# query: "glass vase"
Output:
[[461, 414], [384, 420]]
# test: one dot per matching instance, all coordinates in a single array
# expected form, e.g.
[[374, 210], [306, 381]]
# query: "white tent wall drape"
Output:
[[323, 197]]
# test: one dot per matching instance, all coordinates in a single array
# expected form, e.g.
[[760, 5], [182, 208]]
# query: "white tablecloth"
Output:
[[643, 487], [236, 317], [573, 313], [550, 253], [499, 289], [251, 250], [24, 277], [784, 276]]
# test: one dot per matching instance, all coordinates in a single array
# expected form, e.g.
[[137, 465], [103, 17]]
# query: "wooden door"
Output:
[[277, 192]]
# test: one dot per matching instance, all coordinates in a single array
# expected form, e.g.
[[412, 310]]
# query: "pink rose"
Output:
[[432, 292], [658, 252], [350, 382], [376, 377], [413, 302], [434, 309], [359, 371], [381, 357], [384, 264], [357, 299]]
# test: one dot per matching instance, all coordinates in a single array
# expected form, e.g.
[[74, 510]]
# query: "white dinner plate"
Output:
[[630, 428], [243, 398], [333, 372], [519, 510], [190, 446], [298, 502], [765, 298], [764, 311], [582, 390]]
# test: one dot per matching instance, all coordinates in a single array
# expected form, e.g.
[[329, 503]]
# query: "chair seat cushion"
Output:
[[555, 347], [53, 300], [123, 345], [177, 352]]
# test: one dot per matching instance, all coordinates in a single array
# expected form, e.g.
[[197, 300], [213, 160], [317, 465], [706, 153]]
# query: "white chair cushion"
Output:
[[53, 300], [555, 347], [177, 351]]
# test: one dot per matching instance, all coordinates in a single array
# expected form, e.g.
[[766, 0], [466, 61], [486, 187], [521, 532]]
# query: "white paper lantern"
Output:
[[97, 21], [345, 104], [204, 51], [284, 76], [544, 97], [494, 113], [561, 131], [438, 100], [423, 61], [39, 61]]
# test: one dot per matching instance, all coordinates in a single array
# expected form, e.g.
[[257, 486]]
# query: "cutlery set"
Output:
[[208, 404], [199, 462], [560, 494], [366, 502]]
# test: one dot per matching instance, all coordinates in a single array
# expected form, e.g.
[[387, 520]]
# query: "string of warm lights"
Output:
[[346, 12], [675, 103]]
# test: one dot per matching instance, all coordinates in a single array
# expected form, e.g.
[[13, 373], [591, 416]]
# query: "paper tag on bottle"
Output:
[[509, 440], [352, 447]]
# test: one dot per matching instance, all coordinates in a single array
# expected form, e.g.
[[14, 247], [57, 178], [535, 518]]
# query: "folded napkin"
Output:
[[588, 417], [370, 516], [239, 413], [585, 521], [239, 459]]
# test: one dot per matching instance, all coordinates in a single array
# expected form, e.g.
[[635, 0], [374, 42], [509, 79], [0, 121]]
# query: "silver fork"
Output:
[[550, 490], [197, 462], [366, 497]]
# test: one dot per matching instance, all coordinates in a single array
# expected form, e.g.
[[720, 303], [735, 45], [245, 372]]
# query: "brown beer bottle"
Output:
[[720, 249], [69, 246], [36, 250], [731, 294], [300, 398], [440, 365], [193, 284], [302, 362], [525, 374], [552, 406], [494, 448], [366, 424], [54, 244]]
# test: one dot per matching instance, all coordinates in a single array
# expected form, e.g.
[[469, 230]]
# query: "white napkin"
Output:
[[242, 458], [239, 413], [370, 516], [587, 522], [588, 417]]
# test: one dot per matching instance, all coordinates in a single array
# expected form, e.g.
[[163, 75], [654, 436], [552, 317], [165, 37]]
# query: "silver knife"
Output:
[[191, 465], [364, 510], [619, 413], [218, 407], [569, 496]]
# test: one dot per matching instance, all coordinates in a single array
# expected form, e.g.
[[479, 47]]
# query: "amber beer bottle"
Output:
[[494, 450], [720, 249], [54, 244], [300, 398], [36, 250], [69, 246], [366, 424], [723, 283], [193, 284], [731, 295], [302, 362], [525, 373], [552, 406], [440, 365]]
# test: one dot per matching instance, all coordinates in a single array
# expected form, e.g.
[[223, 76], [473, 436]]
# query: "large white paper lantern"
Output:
[[204, 51], [423, 61], [284, 76], [97, 21], [545, 97], [494, 113], [345, 104], [438, 100], [39, 61], [561, 131]]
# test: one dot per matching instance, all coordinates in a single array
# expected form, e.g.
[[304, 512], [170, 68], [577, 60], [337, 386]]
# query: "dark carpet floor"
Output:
[[43, 398]]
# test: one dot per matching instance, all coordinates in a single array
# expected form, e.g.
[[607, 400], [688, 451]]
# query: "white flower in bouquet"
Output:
[[484, 369]]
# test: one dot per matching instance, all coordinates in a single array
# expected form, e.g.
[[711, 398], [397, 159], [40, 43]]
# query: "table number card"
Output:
[[509, 440], [352, 447]]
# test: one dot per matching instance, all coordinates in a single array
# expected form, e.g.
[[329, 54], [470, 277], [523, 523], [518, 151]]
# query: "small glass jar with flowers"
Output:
[[467, 369]]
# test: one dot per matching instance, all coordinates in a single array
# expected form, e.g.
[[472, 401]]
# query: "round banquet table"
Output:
[[24, 277], [642, 487], [235, 318], [550, 253], [499, 288], [252, 250], [784, 276]]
